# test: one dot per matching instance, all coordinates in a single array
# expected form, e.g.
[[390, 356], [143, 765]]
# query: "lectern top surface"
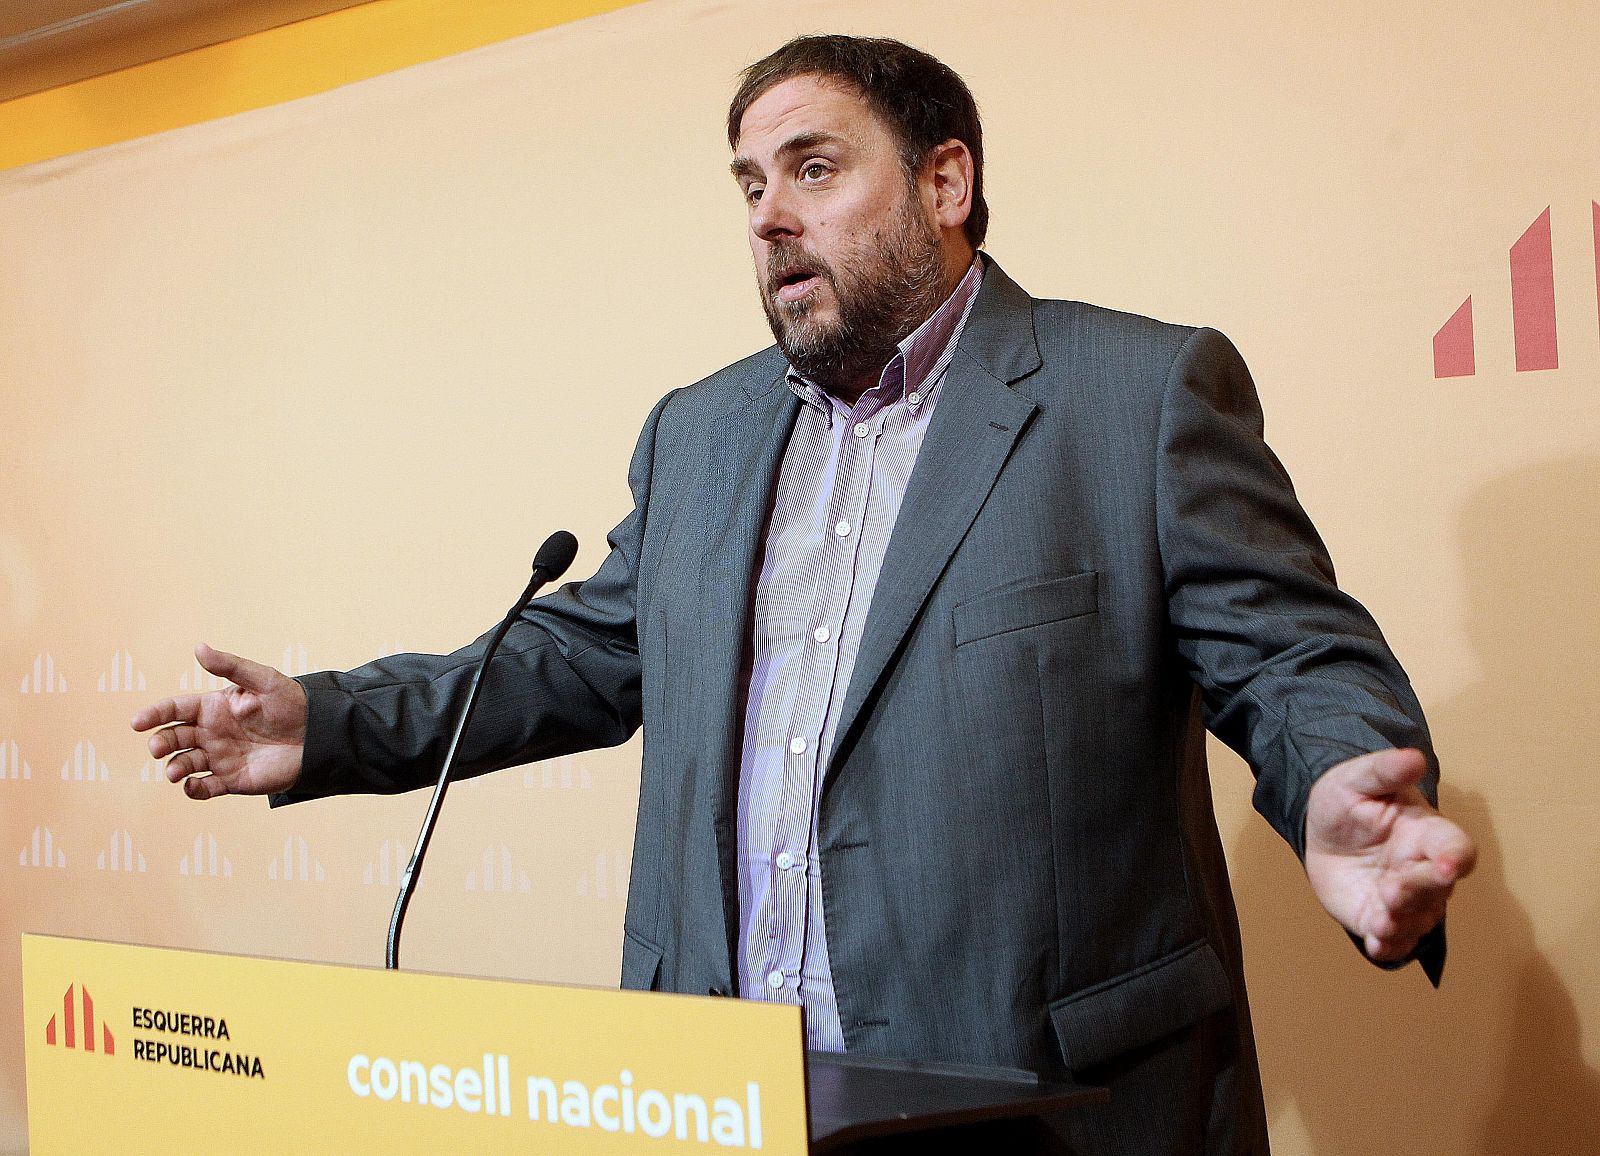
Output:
[[850, 1099]]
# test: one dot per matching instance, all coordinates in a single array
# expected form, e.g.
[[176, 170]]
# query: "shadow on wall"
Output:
[[1493, 1062]]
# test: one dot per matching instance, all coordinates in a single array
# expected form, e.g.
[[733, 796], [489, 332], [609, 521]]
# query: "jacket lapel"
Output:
[[971, 434], [743, 468]]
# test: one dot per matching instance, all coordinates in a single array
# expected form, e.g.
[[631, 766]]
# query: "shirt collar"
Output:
[[918, 357]]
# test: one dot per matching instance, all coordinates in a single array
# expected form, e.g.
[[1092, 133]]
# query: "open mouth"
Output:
[[795, 282]]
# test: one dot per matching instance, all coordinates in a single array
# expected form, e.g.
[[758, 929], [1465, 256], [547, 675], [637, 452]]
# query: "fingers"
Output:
[[193, 768], [1396, 936], [1412, 897], [173, 738], [183, 708], [186, 763], [1449, 849], [1390, 950], [204, 787], [1414, 887], [1380, 858], [242, 672], [1383, 773]]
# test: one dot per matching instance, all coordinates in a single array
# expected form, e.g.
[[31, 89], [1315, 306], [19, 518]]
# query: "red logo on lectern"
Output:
[[77, 1024]]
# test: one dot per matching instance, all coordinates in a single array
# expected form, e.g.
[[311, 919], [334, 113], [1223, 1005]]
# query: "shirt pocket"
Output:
[[1022, 608]]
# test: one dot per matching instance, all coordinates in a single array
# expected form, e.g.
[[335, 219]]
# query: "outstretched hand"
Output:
[[1379, 857], [246, 739]]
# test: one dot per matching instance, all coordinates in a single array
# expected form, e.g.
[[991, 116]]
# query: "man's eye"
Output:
[[753, 194], [814, 171]]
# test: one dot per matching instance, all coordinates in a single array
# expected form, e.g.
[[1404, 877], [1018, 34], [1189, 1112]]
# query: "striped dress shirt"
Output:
[[839, 489]]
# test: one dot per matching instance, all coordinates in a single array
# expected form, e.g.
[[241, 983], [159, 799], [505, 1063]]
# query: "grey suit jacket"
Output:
[[1097, 558]]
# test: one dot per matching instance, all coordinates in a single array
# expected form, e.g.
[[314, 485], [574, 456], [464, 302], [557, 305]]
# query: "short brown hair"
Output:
[[923, 101]]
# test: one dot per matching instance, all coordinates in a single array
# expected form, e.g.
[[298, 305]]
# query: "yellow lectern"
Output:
[[143, 1049]]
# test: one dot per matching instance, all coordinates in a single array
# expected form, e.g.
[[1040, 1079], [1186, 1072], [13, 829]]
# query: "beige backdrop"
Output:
[[312, 382]]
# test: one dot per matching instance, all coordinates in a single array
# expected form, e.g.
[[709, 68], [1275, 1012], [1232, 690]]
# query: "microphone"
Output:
[[555, 555], [549, 563]]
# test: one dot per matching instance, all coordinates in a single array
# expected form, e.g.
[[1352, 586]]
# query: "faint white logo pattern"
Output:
[[608, 879], [44, 678], [498, 873], [297, 863], [206, 860], [120, 856], [85, 765], [294, 660], [12, 764], [122, 675], [197, 678], [390, 865], [42, 851]]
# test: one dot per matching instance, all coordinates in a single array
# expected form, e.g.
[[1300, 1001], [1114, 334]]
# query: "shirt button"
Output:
[[785, 860], [798, 746], [775, 979], [842, 528], [861, 430], [821, 634], [914, 398]]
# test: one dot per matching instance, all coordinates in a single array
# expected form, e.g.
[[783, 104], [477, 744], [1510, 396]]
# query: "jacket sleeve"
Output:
[[1294, 674], [566, 679]]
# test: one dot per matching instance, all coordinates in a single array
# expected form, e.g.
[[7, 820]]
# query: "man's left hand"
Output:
[[1379, 857]]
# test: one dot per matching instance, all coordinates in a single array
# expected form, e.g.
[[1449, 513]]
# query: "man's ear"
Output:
[[949, 177]]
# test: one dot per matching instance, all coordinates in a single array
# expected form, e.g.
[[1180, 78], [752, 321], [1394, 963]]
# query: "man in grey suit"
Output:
[[924, 612]]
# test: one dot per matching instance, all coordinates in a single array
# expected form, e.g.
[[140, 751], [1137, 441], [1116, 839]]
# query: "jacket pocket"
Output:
[[641, 963], [1001, 611], [1141, 1006]]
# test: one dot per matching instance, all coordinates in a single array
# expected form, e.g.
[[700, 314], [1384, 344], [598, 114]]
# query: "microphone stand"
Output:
[[549, 564]]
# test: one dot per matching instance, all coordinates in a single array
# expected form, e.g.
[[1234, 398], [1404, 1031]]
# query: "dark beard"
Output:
[[883, 293]]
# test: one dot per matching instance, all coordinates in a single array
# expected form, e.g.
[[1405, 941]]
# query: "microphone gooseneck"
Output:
[[549, 563]]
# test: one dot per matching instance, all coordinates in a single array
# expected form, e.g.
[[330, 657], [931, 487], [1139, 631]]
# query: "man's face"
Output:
[[846, 253]]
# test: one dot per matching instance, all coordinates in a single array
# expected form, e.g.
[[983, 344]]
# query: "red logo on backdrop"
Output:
[[1533, 307], [76, 1024]]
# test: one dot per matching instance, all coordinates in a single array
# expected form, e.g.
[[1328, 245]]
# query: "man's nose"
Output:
[[773, 217]]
